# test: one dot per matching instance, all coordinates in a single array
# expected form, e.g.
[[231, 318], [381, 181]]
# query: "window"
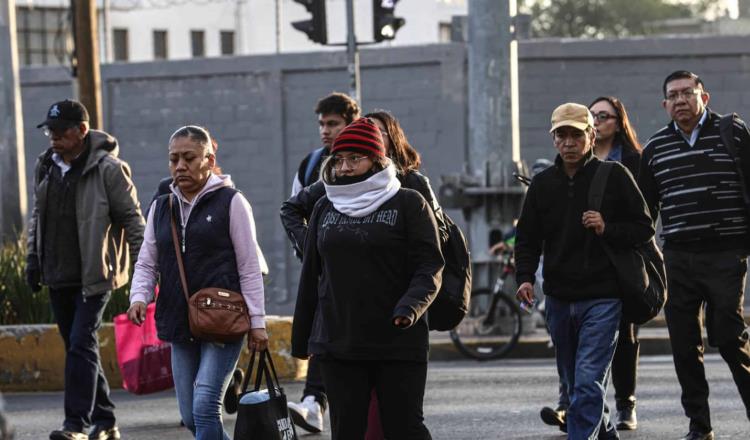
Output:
[[160, 45], [197, 42], [120, 44], [227, 42], [43, 36], [445, 32]]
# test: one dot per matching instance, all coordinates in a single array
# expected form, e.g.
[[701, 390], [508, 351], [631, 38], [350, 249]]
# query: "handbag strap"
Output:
[[595, 198], [260, 372], [177, 252]]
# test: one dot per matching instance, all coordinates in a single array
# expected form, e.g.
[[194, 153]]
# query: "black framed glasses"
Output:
[[603, 116]]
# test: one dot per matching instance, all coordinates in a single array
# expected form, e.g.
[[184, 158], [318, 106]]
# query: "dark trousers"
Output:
[[400, 389], [314, 383], [625, 365], [715, 280], [86, 389]]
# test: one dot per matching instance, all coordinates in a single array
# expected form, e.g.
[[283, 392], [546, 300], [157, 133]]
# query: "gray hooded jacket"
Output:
[[107, 211]]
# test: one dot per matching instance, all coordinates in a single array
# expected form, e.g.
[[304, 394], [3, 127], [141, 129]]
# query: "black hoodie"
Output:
[[551, 220]]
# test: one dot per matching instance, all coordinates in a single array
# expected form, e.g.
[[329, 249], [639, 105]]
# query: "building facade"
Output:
[[147, 30]]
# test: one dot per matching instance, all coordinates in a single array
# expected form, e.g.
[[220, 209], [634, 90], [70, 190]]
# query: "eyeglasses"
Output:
[[352, 161], [54, 131], [686, 94], [603, 116]]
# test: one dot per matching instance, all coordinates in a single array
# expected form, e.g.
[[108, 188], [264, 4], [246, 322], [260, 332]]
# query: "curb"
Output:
[[32, 357]]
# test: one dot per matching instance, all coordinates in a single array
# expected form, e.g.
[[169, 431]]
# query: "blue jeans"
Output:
[[585, 337], [86, 389], [201, 373]]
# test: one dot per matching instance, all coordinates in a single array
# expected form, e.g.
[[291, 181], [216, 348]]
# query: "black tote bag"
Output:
[[267, 420]]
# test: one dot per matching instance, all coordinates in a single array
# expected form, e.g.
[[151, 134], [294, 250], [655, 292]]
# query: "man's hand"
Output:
[[402, 322], [525, 293], [593, 220], [33, 277], [137, 313], [257, 339]]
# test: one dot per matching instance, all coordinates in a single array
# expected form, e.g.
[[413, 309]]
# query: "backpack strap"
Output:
[[596, 191], [595, 198], [312, 162], [726, 132]]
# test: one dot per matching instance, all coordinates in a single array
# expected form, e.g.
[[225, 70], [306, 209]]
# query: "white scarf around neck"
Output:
[[363, 198]]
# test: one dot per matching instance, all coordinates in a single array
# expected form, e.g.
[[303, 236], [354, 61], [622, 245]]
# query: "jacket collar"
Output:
[[585, 162]]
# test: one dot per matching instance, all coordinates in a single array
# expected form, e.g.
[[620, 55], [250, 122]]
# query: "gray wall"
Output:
[[260, 108]]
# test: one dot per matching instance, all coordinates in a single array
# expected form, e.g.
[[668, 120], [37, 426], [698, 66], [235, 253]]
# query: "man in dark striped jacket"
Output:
[[689, 176]]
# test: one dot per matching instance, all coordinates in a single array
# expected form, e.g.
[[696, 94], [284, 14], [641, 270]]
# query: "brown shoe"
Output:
[[102, 433]]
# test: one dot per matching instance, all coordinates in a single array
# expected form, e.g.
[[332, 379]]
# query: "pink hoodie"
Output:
[[242, 232]]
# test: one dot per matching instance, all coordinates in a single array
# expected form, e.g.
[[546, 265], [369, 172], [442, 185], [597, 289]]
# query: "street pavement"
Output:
[[464, 400]]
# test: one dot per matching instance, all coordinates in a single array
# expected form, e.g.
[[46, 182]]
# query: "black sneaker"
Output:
[[555, 417], [626, 419], [102, 433], [63, 434], [232, 396]]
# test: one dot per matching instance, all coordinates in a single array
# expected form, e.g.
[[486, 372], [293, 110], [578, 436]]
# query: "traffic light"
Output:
[[315, 28], [384, 23]]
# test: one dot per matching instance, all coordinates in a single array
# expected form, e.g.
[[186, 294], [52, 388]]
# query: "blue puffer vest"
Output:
[[209, 258]]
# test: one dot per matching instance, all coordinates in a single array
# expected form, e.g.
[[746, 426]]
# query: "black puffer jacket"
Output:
[[296, 212]]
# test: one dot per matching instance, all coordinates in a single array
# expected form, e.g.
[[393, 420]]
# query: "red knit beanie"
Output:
[[362, 136]]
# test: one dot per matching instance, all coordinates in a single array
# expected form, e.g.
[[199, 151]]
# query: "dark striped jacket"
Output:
[[697, 190]]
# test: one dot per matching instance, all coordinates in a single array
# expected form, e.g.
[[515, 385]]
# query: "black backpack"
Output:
[[640, 270], [452, 301]]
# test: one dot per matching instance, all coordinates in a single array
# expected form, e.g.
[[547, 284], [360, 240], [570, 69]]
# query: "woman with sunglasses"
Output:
[[616, 140], [372, 265]]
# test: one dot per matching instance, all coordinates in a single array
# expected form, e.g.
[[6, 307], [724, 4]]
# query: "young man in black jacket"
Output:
[[689, 175], [583, 295]]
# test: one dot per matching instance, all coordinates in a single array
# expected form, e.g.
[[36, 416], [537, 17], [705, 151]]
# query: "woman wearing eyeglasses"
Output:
[[372, 265], [616, 140]]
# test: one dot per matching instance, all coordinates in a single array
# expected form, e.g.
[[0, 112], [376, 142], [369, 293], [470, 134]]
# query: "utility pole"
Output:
[[352, 54], [87, 59], [487, 191], [12, 158]]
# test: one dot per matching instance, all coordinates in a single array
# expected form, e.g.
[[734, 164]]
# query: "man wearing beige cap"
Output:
[[583, 296]]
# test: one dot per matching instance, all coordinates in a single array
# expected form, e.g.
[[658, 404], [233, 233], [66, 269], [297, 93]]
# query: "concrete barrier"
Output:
[[32, 357]]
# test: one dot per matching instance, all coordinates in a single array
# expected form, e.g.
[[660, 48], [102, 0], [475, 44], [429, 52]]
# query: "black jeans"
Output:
[[400, 388], [87, 399], [625, 365], [314, 383], [716, 280]]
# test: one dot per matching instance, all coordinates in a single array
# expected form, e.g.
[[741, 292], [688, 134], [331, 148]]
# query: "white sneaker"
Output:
[[307, 414]]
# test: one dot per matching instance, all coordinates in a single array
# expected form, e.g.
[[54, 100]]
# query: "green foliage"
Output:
[[19, 305], [608, 18]]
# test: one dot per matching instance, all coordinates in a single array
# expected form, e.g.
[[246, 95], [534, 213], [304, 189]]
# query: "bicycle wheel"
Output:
[[481, 338]]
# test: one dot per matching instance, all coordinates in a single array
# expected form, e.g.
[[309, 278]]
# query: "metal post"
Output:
[[12, 158], [278, 26], [493, 120], [87, 54], [352, 53]]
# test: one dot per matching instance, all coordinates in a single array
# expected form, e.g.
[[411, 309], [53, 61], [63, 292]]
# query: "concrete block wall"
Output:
[[261, 108]]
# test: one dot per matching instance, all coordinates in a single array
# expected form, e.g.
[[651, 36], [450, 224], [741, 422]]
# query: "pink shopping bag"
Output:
[[145, 361]]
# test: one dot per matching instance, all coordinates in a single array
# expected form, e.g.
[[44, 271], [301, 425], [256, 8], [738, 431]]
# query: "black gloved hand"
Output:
[[33, 275]]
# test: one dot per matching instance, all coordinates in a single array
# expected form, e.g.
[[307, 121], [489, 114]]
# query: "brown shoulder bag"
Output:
[[215, 314]]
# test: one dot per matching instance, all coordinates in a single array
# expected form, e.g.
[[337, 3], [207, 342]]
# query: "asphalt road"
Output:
[[464, 400]]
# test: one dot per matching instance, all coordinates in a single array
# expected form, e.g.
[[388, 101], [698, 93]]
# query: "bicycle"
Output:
[[493, 325]]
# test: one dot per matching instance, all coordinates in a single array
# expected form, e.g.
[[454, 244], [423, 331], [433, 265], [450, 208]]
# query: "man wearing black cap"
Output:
[[85, 211]]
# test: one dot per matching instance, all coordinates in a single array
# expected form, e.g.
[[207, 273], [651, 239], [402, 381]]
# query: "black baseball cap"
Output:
[[65, 114]]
